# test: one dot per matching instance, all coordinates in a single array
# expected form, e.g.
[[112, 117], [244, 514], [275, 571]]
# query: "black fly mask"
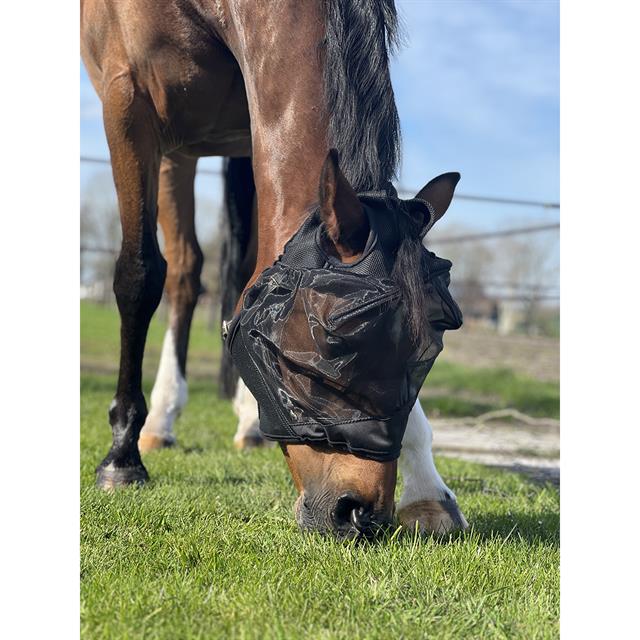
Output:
[[330, 350]]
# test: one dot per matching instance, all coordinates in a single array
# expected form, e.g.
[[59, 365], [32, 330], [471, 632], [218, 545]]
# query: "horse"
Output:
[[271, 87]]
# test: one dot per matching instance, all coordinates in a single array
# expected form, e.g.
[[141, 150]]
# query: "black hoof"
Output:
[[110, 476]]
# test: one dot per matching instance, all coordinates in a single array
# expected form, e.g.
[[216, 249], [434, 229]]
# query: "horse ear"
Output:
[[345, 221], [439, 193]]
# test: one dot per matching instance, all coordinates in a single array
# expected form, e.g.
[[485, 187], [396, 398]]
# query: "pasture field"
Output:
[[209, 548]]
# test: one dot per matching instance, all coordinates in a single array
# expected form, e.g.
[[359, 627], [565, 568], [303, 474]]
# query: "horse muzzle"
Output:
[[344, 516]]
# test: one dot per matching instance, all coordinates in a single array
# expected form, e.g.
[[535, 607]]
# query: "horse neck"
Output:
[[277, 47], [283, 49]]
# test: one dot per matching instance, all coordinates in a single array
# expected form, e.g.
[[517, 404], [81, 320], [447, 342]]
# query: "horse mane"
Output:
[[364, 126], [363, 120], [407, 273]]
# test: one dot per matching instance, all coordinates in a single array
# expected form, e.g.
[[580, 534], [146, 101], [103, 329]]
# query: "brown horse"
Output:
[[279, 82]]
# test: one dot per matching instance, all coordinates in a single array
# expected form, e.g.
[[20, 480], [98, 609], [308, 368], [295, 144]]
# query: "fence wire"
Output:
[[518, 291]]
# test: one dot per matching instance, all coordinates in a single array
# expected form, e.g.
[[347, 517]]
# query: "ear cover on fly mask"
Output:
[[324, 346]]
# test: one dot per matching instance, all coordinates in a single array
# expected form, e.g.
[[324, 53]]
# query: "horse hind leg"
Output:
[[176, 214], [238, 255], [426, 501], [140, 269], [237, 263], [246, 409]]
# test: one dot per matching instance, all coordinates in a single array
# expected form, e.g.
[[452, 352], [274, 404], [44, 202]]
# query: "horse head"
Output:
[[336, 338]]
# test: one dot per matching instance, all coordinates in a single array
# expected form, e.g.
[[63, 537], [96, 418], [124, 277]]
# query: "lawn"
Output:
[[456, 390], [209, 548]]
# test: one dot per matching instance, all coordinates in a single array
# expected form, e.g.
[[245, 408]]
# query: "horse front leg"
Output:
[[176, 214], [140, 268], [426, 499]]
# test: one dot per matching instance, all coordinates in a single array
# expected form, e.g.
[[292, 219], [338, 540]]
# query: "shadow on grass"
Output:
[[532, 528], [489, 528], [188, 450], [201, 480], [539, 475]]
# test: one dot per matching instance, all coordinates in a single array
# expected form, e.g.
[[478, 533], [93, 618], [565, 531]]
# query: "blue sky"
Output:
[[477, 88]]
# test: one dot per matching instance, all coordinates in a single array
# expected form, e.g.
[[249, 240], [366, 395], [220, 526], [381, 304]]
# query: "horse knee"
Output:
[[138, 283]]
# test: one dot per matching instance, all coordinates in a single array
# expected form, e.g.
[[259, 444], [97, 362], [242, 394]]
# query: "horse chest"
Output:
[[176, 61], [200, 102]]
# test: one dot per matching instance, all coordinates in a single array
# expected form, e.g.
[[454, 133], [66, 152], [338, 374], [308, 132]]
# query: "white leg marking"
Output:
[[169, 395], [421, 479], [246, 408]]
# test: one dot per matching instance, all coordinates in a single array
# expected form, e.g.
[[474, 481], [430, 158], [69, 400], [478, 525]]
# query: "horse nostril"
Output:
[[361, 520], [342, 511], [350, 513]]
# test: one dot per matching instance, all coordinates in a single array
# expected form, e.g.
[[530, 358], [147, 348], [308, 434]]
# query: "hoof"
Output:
[[250, 441], [433, 517], [150, 442], [109, 477]]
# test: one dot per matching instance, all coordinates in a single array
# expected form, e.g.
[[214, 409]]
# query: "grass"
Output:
[[496, 388], [210, 549]]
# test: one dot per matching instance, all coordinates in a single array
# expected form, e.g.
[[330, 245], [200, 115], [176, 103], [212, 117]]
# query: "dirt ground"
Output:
[[534, 451]]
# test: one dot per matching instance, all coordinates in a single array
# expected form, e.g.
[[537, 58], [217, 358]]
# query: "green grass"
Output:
[[489, 389], [209, 548], [100, 340]]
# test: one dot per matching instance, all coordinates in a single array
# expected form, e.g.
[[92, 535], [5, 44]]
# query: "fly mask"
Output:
[[324, 346]]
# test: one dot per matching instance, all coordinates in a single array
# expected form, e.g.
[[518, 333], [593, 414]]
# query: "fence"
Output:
[[502, 290]]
